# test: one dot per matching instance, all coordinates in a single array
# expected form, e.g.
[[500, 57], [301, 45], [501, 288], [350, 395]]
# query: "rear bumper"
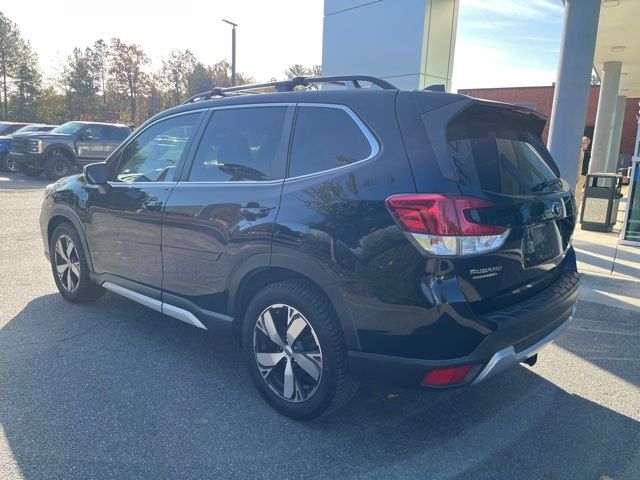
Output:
[[524, 329], [508, 357], [27, 159]]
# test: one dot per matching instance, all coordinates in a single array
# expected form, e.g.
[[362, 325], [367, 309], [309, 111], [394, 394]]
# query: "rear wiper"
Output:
[[547, 183]]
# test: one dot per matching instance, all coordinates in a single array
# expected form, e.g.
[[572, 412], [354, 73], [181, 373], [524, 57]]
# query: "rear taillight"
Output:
[[446, 225]]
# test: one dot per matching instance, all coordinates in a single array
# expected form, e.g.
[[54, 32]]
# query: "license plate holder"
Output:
[[541, 243]]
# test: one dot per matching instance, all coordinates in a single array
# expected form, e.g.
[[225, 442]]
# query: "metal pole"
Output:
[[233, 50], [233, 56]]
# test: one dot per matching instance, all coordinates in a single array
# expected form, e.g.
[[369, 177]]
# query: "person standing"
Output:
[[583, 169]]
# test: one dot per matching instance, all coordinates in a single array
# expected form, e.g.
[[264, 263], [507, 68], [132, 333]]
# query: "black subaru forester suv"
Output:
[[416, 238]]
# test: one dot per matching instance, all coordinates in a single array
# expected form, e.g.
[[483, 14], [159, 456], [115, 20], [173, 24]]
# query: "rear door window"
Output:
[[326, 138], [499, 152], [118, 134], [243, 144]]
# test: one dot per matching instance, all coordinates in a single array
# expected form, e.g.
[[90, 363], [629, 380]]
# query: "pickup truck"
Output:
[[65, 148]]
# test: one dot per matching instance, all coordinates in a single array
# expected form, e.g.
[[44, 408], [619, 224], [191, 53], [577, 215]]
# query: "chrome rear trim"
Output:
[[182, 314], [508, 357]]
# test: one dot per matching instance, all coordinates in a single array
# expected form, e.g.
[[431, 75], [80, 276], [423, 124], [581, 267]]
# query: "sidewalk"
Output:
[[610, 272]]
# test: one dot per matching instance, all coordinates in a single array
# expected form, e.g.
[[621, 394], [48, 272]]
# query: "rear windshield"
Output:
[[499, 152]]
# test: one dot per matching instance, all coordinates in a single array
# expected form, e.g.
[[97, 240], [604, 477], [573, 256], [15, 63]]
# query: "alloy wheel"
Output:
[[67, 263], [61, 169], [287, 353], [12, 166]]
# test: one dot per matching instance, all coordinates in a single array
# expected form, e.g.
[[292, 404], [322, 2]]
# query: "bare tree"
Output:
[[127, 73]]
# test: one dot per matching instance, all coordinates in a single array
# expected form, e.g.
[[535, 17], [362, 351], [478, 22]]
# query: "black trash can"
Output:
[[600, 201]]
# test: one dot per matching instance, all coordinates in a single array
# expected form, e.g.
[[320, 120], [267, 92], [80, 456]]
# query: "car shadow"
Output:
[[114, 390]]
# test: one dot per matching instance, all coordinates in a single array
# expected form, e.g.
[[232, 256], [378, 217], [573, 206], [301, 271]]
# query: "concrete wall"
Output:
[[409, 43]]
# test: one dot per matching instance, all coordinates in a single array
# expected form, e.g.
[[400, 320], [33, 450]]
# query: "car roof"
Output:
[[343, 96], [335, 96], [84, 122]]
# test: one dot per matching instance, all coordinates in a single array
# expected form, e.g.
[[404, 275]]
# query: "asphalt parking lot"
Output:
[[115, 390]]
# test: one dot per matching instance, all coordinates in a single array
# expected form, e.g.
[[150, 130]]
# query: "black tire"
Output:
[[31, 171], [9, 165], [335, 386], [85, 290], [57, 167], [3, 161]]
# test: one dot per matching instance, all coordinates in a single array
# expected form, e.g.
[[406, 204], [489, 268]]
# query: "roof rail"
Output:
[[349, 81], [438, 87]]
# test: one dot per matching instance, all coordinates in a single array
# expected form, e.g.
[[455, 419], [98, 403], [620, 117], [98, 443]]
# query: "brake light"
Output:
[[446, 225], [446, 376]]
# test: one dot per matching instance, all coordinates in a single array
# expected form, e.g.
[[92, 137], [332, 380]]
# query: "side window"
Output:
[[242, 144], [94, 132], [118, 134], [153, 155], [325, 138]]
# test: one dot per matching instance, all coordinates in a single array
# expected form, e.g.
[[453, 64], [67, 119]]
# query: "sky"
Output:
[[499, 43]]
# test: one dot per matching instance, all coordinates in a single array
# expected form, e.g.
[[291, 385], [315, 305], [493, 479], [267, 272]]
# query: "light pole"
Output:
[[233, 50]]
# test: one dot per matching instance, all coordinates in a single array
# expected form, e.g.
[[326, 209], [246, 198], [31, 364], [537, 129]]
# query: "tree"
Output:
[[79, 82], [10, 41], [128, 77], [199, 80], [99, 58], [27, 82], [296, 71], [301, 71], [176, 73], [221, 74], [51, 106]]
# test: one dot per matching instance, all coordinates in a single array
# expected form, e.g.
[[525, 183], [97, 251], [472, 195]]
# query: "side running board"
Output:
[[157, 305]]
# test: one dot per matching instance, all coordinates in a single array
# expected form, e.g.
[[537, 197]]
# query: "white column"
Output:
[[603, 130], [572, 84], [409, 43], [616, 134]]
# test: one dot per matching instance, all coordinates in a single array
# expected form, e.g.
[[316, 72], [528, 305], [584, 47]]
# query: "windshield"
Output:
[[69, 128], [28, 128], [8, 128]]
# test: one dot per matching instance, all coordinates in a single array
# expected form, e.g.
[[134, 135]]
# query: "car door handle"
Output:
[[153, 205], [253, 213]]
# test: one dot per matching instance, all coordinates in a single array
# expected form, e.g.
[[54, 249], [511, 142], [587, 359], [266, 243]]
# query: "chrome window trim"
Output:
[[141, 184], [253, 105], [186, 183], [373, 142], [125, 143]]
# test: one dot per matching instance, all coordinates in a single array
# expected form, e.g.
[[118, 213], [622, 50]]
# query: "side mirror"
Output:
[[86, 137], [96, 173]]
